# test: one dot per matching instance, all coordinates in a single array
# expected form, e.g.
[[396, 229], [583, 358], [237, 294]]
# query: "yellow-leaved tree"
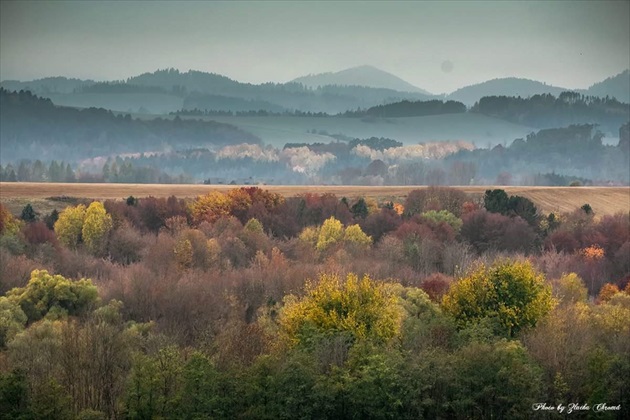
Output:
[[355, 236], [210, 207], [330, 233], [69, 226], [361, 307], [9, 225], [47, 293], [96, 227], [510, 294]]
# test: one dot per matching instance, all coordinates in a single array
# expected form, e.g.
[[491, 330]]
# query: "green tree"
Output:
[[28, 213], [355, 236], [96, 227], [511, 294], [14, 396], [253, 225], [12, 320], [51, 218], [69, 226], [360, 209], [496, 201], [497, 380], [443, 216], [524, 208], [154, 384], [45, 293]]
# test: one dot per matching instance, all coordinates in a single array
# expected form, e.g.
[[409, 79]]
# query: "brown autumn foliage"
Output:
[[436, 198], [38, 233], [436, 285]]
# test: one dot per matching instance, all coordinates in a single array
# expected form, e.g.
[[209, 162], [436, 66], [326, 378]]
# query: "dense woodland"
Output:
[[250, 305]]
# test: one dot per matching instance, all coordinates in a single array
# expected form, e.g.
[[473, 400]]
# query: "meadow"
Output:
[[603, 200]]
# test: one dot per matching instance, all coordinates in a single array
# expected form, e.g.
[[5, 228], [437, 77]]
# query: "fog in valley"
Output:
[[316, 93]]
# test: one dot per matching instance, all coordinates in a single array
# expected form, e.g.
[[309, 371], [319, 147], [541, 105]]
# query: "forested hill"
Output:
[[170, 90], [30, 124], [360, 76], [509, 86], [48, 85], [410, 109], [547, 111], [615, 87]]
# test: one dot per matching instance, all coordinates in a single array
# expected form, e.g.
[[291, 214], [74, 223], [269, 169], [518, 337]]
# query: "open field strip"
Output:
[[603, 200]]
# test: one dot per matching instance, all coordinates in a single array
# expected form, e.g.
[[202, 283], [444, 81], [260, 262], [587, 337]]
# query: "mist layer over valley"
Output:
[[172, 126]]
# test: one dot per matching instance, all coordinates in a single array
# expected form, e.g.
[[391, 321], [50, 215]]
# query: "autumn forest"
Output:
[[247, 304]]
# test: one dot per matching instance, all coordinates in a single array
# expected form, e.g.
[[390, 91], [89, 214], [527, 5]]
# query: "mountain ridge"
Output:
[[365, 75], [176, 86]]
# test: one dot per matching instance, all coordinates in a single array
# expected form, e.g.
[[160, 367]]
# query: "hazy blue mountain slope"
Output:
[[510, 86], [616, 86], [367, 76]]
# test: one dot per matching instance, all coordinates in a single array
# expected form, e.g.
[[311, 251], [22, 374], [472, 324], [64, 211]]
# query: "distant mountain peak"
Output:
[[364, 75]]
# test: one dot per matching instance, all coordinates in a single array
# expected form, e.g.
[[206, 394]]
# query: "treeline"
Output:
[[122, 88], [547, 111], [249, 305], [407, 108], [196, 112], [209, 105], [29, 123], [339, 147], [29, 171], [115, 171], [577, 149]]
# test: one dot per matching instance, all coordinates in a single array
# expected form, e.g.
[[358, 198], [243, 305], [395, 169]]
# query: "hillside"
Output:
[[510, 86], [548, 111], [165, 91], [29, 123], [367, 76], [47, 85], [616, 86]]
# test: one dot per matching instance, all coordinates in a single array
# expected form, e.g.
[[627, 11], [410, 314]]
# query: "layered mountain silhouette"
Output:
[[363, 87], [616, 86]]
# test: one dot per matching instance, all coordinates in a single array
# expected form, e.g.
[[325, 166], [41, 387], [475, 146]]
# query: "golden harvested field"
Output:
[[603, 200]]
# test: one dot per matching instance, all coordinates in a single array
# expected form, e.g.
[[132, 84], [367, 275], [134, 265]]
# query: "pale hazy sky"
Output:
[[571, 44]]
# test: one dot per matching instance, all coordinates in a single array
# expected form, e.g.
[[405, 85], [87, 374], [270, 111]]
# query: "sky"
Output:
[[437, 46]]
